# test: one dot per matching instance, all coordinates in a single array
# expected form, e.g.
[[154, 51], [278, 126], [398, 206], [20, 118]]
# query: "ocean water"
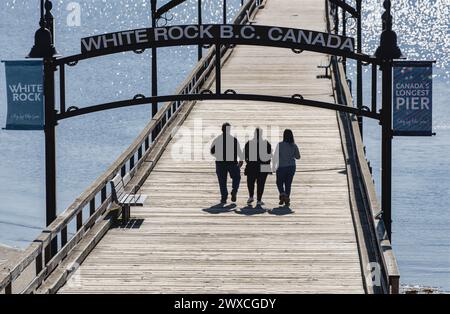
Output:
[[87, 145]]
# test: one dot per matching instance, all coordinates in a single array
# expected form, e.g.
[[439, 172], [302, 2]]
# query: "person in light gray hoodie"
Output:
[[284, 164]]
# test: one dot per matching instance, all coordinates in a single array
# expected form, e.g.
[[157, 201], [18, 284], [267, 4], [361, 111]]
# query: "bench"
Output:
[[124, 199], [327, 73]]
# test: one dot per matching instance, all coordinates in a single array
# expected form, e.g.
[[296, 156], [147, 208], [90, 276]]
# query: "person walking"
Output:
[[229, 159], [258, 155], [285, 157]]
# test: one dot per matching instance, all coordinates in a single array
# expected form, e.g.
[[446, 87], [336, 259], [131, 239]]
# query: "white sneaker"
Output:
[[260, 203], [250, 200]]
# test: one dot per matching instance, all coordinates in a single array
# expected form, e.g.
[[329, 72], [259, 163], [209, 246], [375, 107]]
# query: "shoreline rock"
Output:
[[406, 289]]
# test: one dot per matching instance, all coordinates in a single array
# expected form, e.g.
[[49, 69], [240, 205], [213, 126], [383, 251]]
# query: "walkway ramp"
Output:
[[181, 243]]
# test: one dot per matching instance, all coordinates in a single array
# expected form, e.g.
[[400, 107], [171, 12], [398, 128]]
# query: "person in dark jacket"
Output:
[[285, 157], [229, 160], [258, 154]]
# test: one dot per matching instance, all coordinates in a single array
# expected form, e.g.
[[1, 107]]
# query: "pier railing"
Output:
[[381, 264], [93, 205]]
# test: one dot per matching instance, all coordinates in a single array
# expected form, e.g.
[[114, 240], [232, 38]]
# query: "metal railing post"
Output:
[[218, 70], [224, 11], [344, 33], [359, 72], [200, 22], [154, 70], [336, 20]]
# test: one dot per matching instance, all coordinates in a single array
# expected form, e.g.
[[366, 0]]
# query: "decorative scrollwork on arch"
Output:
[[138, 96], [298, 96], [351, 22], [163, 20], [206, 92], [72, 108]]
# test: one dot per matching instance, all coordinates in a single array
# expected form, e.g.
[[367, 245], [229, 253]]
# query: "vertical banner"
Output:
[[25, 95], [413, 98]]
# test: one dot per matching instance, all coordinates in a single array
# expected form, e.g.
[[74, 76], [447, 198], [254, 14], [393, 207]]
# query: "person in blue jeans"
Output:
[[284, 164], [229, 160]]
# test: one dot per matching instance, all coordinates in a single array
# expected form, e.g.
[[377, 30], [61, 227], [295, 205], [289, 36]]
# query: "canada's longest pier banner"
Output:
[[413, 98], [220, 34]]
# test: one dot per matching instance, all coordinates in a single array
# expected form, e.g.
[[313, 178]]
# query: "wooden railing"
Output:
[[383, 253], [93, 204], [381, 245]]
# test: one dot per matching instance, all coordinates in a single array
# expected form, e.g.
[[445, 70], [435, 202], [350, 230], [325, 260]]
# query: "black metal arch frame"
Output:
[[208, 95], [218, 95], [387, 51], [221, 42]]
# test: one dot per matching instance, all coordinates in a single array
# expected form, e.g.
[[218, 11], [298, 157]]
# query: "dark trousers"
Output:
[[285, 176], [260, 179], [222, 171]]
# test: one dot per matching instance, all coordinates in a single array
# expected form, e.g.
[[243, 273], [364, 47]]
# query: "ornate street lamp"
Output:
[[387, 52], [44, 45], [388, 48]]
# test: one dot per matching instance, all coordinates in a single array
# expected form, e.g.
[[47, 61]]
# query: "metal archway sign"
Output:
[[217, 34]]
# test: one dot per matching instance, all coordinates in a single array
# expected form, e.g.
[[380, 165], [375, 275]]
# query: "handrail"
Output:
[[39, 252], [389, 268], [385, 254]]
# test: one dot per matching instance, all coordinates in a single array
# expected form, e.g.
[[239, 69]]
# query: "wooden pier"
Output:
[[181, 242]]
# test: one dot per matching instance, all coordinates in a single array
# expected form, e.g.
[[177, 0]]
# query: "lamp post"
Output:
[[387, 52], [44, 47]]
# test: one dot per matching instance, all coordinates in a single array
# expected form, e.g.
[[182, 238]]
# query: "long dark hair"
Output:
[[258, 135], [288, 136]]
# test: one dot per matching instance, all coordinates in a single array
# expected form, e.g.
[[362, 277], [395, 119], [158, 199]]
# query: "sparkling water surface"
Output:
[[87, 145]]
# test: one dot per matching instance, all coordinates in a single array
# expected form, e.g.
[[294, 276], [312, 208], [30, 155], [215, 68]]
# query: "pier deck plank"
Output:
[[184, 246]]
